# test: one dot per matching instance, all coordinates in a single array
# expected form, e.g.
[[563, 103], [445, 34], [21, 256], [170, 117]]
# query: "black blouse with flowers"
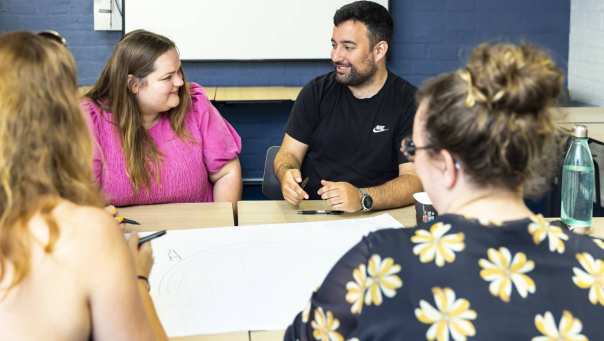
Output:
[[459, 279]]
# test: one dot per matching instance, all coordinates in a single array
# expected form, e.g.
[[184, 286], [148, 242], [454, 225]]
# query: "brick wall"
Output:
[[431, 36], [586, 53]]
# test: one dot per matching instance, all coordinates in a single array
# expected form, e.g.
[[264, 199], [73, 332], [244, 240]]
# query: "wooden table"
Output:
[[179, 216], [274, 335], [210, 92], [592, 117], [279, 211], [257, 93], [582, 114], [237, 336]]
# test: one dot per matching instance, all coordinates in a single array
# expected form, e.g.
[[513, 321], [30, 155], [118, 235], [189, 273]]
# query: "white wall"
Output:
[[240, 29], [586, 52]]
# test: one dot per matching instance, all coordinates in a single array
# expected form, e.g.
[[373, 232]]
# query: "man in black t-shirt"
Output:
[[345, 129]]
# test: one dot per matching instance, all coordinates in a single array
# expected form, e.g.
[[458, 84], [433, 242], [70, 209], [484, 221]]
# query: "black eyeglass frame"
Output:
[[53, 35]]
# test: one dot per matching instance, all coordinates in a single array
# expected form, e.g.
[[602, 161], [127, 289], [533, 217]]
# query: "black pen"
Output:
[[304, 182], [319, 212], [122, 219], [150, 237]]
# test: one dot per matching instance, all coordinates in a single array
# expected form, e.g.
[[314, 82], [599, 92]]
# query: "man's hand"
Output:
[[290, 188], [342, 196]]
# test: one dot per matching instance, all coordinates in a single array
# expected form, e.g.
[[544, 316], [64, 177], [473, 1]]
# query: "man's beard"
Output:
[[356, 78]]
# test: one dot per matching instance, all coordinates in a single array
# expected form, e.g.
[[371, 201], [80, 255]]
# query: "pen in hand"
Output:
[[304, 183], [151, 236], [121, 219]]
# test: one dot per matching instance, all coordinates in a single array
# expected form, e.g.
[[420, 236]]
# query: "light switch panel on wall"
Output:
[[107, 15]]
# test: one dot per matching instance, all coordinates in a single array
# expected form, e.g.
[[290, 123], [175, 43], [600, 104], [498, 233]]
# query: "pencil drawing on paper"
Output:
[[174, 256]]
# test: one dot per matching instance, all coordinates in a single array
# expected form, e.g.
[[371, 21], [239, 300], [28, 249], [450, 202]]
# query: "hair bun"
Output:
[[515, 78]]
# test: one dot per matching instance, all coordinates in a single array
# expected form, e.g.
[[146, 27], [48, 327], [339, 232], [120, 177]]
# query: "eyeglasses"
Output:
[[53, 35], [408, 148]]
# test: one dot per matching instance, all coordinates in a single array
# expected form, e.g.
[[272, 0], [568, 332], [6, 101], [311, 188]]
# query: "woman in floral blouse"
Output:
[[487, 268]]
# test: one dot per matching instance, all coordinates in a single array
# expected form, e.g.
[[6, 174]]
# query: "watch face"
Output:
[[367, 202]]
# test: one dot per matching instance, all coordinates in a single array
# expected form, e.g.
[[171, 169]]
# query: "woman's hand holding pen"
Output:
[[142, 256], [113, 212], [120, 219]]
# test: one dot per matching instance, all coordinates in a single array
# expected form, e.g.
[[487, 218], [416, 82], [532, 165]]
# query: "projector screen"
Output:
[[239, 29]]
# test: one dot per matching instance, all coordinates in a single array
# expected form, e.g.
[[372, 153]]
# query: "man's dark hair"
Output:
[[374, 16]]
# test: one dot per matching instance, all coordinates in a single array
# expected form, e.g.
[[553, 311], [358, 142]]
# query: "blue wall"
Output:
[[431, 36]]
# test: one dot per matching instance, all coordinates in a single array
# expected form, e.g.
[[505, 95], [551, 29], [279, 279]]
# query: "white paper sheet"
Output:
[[216, 280]]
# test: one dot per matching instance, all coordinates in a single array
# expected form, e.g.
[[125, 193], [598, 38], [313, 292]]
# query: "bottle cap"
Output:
[[580, 131]]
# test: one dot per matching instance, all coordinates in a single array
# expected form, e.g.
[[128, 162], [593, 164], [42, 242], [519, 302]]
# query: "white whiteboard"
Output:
[[239, 29]]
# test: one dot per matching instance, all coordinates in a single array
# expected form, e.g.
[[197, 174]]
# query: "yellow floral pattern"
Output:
[[569, 328], [436, 245], [356, 290], [383, 279], [463, 280], [450, 316], [541, 229], [325, 326], [591, 276], [371, 281], [503, 272]]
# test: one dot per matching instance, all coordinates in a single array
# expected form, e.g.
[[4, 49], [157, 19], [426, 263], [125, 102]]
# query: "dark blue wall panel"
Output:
[[431, 36]]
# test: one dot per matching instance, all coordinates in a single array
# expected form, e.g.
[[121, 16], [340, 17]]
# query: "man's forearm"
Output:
[[397, 192], [283, 162]]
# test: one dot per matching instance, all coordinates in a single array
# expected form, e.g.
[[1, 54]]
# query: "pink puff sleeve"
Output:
[[92, 114], [221, 142]]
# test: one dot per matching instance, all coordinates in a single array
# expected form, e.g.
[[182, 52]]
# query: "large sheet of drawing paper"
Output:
[[216, 280]]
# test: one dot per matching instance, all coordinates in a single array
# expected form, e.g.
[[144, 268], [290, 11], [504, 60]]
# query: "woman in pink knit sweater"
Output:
[[159, 139]]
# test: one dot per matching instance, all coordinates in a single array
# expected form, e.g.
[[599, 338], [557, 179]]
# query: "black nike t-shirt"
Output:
[[350, 139]]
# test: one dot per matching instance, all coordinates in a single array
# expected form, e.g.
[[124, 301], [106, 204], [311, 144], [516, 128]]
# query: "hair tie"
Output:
[[145, 279]]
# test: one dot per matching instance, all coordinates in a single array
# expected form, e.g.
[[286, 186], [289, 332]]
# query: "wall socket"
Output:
[[108, 15]]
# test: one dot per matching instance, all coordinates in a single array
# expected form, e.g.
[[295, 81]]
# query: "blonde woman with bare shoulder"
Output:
[[66, 272]]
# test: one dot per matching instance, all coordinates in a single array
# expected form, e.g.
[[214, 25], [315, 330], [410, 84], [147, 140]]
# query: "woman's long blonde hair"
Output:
[[45, 149], [135, 55]]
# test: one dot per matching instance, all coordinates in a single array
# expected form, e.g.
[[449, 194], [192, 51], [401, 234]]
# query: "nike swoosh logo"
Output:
[[379, 130]]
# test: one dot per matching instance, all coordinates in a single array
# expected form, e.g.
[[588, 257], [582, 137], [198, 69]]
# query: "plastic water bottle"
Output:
[[578, 182]]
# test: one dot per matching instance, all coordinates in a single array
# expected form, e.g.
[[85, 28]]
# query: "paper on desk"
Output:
[[217, 280]]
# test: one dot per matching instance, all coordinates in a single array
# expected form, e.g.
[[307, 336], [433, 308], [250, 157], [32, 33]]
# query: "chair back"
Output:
[[271, 188]]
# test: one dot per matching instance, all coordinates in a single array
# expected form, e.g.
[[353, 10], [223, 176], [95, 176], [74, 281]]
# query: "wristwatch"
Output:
[[366, 200]]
